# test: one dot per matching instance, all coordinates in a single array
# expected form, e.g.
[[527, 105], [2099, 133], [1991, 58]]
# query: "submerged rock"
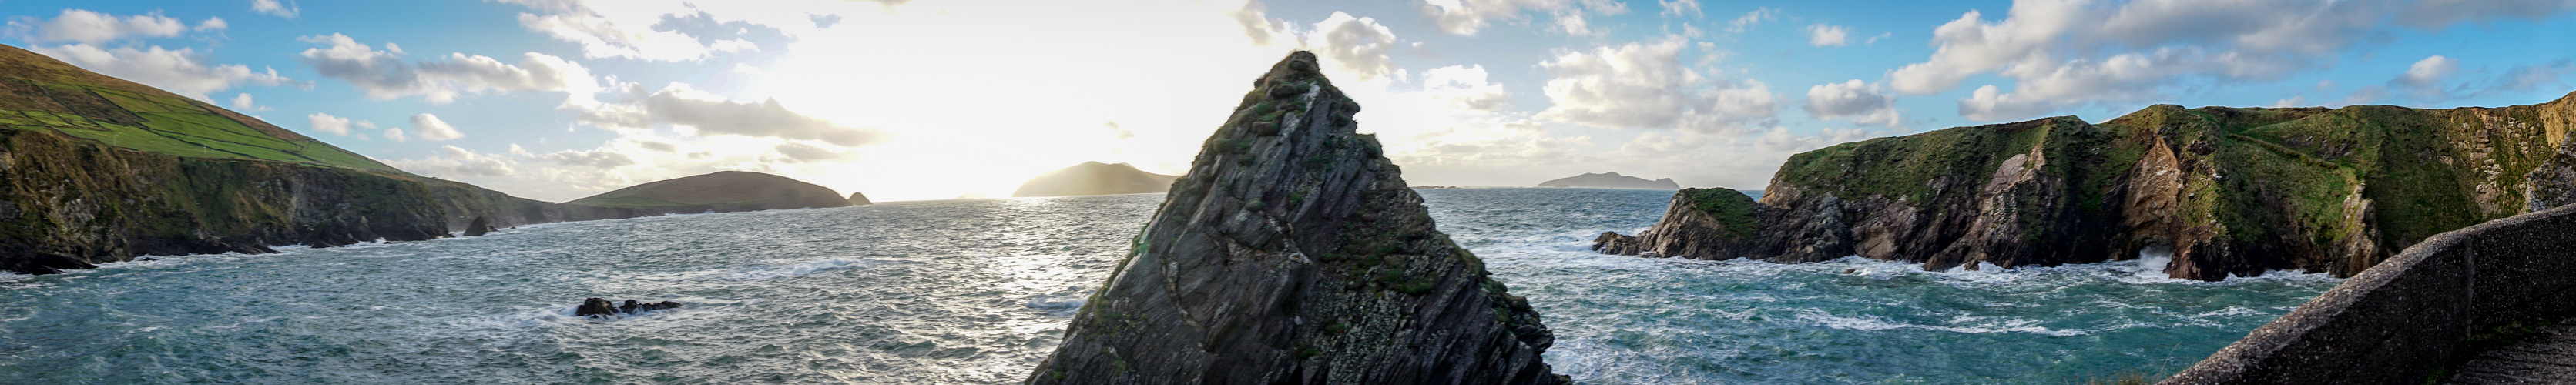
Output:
[[596, 307], [1292, 252]]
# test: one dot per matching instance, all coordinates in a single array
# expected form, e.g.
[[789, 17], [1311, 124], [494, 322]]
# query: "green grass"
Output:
[[1730, 207], [177, 126]]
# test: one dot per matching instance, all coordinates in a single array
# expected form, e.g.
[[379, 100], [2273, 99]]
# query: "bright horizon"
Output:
[[910, 100]]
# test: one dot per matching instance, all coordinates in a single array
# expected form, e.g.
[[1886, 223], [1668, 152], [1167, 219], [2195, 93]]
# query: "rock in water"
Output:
[[858, 199], [595, 307], [1292, 252], [478, 228]]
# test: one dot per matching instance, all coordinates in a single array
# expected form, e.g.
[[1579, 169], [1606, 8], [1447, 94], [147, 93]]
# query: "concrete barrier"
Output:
[[2401, 320]]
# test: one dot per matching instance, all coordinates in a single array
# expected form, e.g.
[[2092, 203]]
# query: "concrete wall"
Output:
[[2400, 320]]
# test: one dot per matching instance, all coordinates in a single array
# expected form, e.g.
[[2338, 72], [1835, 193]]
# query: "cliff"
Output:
[[1292, 252], [97, 169], [1611, 180], [721, 191], [2223, 191], [1095, 178]]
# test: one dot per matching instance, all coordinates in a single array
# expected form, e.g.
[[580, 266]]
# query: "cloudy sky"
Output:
[[931, 99]]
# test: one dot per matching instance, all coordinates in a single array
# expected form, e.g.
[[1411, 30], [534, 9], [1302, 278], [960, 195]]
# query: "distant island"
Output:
[[1095, 178], [1611, 180], [721, 191]]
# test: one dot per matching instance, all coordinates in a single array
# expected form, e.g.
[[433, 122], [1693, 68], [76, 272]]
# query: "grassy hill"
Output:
[[751, 190], [40, 93]]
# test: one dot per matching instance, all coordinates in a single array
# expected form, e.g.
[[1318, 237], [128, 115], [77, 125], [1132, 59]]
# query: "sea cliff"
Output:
[[2221, 191]]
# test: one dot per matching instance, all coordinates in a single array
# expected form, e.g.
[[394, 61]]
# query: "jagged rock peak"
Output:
[[1292, 252]]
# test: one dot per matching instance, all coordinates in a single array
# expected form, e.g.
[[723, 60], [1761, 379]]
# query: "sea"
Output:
[[978, 291]]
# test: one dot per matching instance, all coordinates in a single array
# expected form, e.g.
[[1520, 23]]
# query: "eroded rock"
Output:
[[1292, 252]]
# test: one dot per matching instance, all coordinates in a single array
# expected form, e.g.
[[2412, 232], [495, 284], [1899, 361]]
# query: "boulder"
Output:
[[596, 307]]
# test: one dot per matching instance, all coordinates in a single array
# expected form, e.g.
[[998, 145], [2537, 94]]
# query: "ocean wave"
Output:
[[801, 269], [1989, 327]]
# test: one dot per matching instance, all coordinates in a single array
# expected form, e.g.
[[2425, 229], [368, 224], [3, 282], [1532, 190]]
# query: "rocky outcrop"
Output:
[[1719, 224], [858, 199], [1611, 180], [721, 191], [1095, 178], [478, 228], [2224, 191], [595, 307], [1292, 252]]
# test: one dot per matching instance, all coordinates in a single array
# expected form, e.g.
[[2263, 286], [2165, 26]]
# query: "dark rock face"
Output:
[[1611, 180], [478, 228], [1292, 252], [596, 307], [1720, 224], [42, 263], [1095, 178], [2224, 191], [858, 199]]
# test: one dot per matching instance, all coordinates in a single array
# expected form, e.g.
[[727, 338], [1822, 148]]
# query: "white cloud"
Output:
[[1466, 17], [657, 30], [712, 114], [211, 24], [273, 8], [600, 157], [244, 102], [322, 122], [177, 71], [1750, 19], [800, 152], [2427, 73], [453, 162], [433, 129], [396, 134], [1640, 85], [1681, 8], [1823, 35], [1465, 88], [87, 27], [384, 74], [2067, 53], [1864, 103], [1357, 46]]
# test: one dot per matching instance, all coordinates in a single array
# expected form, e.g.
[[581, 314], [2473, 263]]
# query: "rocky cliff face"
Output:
[[97, 169], [1292, 252], [2223, 191]]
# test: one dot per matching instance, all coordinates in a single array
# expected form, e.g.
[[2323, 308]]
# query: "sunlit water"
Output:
[[977, 291]]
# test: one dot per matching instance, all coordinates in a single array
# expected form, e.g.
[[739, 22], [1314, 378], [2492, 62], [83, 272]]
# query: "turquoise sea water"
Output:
[[976, 291]]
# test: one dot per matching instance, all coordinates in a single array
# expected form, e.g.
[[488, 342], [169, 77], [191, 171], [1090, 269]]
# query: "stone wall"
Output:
[[2399, 321]]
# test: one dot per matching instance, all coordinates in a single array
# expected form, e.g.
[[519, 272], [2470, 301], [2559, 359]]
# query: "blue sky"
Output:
[[927, 99]]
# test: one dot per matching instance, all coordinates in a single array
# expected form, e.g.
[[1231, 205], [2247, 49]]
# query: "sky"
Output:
[[929, 99]]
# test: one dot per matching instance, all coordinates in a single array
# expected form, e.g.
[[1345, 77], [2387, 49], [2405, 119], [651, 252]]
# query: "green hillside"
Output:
[[40, 93]]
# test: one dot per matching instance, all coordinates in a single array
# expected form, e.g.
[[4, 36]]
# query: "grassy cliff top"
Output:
[[719, 188], [43, 94]]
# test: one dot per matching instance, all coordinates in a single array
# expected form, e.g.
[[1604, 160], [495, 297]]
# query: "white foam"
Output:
[[1876, 324]]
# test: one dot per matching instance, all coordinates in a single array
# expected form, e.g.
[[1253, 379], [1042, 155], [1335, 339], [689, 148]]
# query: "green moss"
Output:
[[1731, 208]]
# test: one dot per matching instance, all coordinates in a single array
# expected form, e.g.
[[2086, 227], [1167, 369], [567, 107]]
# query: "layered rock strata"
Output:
[[1292, 252], [2222, 191]]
